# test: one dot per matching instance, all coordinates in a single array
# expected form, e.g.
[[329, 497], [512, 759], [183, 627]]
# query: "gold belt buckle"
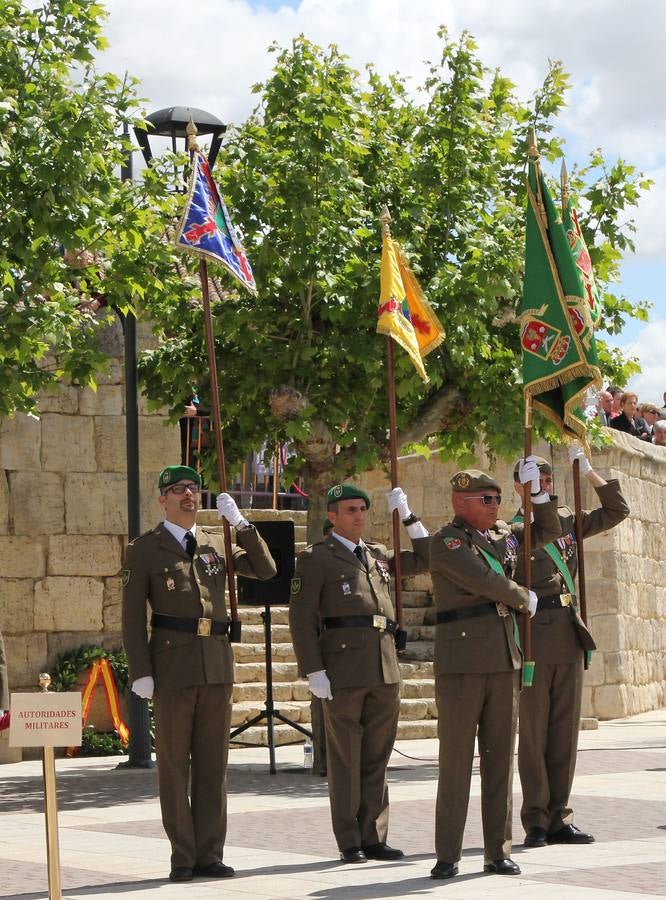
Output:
[[502, 609], [379, 622], [566, 599], [204, 627]]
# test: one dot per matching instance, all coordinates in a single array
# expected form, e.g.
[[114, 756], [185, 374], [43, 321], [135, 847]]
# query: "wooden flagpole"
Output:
[[578, 507], [401, 634], [235, 627], [528, 662]]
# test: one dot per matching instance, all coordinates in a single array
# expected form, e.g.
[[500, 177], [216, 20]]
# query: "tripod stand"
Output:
[[269, 712]]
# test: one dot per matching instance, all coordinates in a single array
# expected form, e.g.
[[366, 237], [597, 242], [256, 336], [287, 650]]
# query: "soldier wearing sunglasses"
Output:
[[550, 709], [179, 569], [478, 659]]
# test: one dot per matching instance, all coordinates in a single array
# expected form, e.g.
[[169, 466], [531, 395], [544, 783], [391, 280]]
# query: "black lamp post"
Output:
[[170, 122]]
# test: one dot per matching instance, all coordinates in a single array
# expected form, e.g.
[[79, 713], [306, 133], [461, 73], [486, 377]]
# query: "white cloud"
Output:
[[650, 347]]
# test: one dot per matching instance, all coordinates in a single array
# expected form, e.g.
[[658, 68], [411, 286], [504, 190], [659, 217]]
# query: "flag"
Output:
[[556, 328], [404, 312], [581, 257], [206, 227]]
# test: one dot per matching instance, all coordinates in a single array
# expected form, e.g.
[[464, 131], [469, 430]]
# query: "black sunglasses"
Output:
[[487, 499]]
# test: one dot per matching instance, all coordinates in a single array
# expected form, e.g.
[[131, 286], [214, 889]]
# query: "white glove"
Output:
[[528, 471], [319, 685], [576, 452], [226, 507], [397, 499], [144, 687], [532, 604]]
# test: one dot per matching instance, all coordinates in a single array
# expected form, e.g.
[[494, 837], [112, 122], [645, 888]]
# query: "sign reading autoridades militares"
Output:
[[45, 720]]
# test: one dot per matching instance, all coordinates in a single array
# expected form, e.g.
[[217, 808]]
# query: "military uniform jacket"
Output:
[[559, 634], [330, 581], [159, 571], [463, 578]]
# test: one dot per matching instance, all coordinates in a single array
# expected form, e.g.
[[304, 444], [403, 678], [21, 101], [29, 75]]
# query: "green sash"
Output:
[[496, 566], [555, 555]]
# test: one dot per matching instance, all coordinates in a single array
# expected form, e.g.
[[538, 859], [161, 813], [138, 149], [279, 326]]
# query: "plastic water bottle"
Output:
[[308, 755]]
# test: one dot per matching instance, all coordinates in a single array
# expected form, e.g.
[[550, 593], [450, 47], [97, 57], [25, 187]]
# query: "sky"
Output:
[[209, 53]]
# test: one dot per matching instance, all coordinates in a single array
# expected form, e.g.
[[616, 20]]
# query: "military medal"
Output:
[[383, 570], [170, 584], [346, 589]]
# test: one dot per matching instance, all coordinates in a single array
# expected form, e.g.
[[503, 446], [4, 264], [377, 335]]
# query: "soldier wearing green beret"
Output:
[[343, 625], [478, 660], [550, 708], [179, 569]]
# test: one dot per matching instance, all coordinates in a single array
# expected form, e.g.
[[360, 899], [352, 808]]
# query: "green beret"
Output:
[[346, 492], [543, 465], [172, 474], [326, 527], [470, 480]]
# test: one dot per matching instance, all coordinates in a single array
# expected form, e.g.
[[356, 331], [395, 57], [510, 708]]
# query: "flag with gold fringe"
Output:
[[560, 359], [404, 311]]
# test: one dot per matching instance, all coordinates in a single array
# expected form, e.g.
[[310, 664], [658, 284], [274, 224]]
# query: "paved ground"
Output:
[[279, 839]]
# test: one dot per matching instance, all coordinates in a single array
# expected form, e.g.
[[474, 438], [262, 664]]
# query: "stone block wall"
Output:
[[63, 520], [625, 567]]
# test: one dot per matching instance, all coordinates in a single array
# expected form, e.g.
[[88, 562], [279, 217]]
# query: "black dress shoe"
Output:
[[444, 870], [502, 867], [535, 837], [214, 870], [569, 835], [353, 855], [181, 873], [382, 851]]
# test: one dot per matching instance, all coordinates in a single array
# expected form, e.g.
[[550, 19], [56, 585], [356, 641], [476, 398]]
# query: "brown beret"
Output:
[[469, 480]]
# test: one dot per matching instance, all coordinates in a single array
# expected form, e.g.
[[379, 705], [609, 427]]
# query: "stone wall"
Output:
[[625, 567], [63, 517]]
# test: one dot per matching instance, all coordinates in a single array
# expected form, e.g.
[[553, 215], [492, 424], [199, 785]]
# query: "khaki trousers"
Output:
[[192, 735], [467, 704], [361, 725], [548, 743]]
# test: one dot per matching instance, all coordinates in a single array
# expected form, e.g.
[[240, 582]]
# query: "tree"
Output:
[[307, 176], [73, 238]]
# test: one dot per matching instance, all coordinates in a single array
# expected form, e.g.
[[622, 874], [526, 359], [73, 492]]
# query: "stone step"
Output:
[[251, 615], [254, 634], [419, 651], [421, 633], [414, 598], [281, 651], [255, 691], [257, 736], [283, 671], [299, 710]]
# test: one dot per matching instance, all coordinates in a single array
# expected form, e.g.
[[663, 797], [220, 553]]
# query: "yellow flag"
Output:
[[404, 312]]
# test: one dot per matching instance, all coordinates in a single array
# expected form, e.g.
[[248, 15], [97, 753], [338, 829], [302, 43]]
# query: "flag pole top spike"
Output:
[[191, 132], [532, 149], [564, 175], [385, 219]]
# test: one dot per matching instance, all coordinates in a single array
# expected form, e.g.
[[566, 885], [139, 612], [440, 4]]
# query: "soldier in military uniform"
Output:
[[179, 569], [478, 660], [343, 628], [550, 709]]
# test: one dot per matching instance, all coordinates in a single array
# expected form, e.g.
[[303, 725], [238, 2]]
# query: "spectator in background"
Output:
[[625, 421], [662, 411], [604, 407], [616, 394], [659, 433], [648, 414]]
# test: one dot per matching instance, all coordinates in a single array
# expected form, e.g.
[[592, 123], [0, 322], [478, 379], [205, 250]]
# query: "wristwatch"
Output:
[[410, 520], [538, 493]]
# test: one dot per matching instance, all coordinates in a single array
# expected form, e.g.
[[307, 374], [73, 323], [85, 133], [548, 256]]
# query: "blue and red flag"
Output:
[[206, 228]]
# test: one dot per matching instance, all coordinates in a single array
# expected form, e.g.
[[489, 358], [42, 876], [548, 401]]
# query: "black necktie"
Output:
[[360, 553], [190, 544]]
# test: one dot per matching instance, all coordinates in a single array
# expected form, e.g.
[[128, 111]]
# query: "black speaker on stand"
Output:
[[279, 536]]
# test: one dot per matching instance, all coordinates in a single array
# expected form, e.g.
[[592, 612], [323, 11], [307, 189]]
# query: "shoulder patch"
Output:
[[126, 574], [295, 585], [452, 543]]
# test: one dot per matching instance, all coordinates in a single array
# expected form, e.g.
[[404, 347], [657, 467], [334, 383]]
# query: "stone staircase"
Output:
[[291, 697]]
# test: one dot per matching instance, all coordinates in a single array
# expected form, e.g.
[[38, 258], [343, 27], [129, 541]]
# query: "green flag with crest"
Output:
[[556, 323]]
